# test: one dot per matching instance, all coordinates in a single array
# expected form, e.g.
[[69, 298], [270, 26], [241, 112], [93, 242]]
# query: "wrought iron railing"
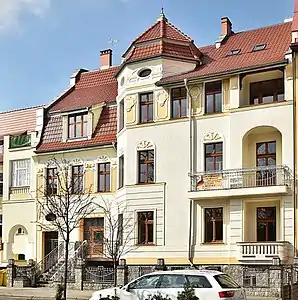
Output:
[[72, 261], [99, 274], [241, 178], [18, 141]]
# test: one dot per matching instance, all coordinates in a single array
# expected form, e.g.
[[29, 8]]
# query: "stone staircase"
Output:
[[51, 268]]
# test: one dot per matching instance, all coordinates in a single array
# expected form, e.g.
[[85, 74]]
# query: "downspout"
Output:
[[295, 146], [190, 256]]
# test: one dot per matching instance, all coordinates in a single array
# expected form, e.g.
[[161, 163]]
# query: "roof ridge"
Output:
[[23, 108], [99, 70], [144, 32], [264, 27], [179, 31]]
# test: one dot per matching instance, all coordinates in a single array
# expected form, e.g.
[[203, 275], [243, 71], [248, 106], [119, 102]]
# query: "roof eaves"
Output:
[[225, 73], [69, 148], [156, 56]]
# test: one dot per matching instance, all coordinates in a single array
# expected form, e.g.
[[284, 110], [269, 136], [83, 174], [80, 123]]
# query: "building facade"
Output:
[[197, 142]]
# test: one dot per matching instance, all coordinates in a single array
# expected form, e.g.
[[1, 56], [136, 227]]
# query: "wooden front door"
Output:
[[94, 234], [266, 224]]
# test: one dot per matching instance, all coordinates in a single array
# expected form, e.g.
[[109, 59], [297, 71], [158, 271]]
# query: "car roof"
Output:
[[190, 272]]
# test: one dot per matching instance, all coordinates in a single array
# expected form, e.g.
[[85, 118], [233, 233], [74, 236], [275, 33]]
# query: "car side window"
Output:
[[198, 281], [172, 281], [146, 282]]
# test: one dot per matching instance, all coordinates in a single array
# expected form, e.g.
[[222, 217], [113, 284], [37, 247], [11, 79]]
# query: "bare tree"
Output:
[[64, 202], [118, 236]]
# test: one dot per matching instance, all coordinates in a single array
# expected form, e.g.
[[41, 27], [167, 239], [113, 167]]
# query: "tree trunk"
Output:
[[65, 266], [115, 272]]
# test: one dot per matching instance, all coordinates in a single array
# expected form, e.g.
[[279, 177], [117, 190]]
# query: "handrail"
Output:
[[71, 259], [54, 253]]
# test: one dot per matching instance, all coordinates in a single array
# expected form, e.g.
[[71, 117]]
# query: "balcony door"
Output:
[[266, 224], [266, 163]]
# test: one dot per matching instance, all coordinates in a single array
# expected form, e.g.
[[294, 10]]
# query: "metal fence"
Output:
[[99, 274]]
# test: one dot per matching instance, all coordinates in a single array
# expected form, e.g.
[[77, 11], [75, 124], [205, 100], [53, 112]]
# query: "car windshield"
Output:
[[226, 282]]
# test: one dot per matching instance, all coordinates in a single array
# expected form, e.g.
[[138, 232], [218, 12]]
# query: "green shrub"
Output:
[[158, 296], [188, 293]]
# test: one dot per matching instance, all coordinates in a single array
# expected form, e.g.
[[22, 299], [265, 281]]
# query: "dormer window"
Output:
[[259, 47], [234, 52], [78, 126]]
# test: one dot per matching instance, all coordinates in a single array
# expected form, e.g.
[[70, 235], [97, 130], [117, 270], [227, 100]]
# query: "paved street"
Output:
[[48, 294]]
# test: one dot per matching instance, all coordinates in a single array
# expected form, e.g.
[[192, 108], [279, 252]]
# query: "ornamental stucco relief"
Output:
[[130, 102], [144, 145], [161, 98], [213, 137]]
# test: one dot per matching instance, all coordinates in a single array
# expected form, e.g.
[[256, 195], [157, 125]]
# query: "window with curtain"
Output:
[[21, 173]]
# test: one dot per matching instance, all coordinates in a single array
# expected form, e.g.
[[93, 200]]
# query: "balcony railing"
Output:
[[241, 178], [18, 141], [264, 251]]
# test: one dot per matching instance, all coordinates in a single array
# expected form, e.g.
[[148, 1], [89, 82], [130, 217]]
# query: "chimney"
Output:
[[105, 59], [226, 26], [226, 31]]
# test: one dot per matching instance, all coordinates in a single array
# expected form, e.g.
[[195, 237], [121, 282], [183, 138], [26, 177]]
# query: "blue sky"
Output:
[[44, 41]]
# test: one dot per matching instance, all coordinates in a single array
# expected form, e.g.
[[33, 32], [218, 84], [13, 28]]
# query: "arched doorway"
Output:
[[18, 243]]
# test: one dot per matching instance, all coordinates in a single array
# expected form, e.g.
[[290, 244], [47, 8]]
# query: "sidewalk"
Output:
[[41, 293]]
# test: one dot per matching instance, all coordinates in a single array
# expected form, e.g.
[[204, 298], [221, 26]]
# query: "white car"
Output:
[[208, 285]]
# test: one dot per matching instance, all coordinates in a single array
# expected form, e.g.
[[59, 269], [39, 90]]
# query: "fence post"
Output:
[[79, 271], [122, 273], [11, 272]]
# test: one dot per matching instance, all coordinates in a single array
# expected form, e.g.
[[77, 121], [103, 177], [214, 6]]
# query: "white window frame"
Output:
[[16, 168]]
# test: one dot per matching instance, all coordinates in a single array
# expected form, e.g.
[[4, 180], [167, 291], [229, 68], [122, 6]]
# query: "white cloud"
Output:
[[11, 12]]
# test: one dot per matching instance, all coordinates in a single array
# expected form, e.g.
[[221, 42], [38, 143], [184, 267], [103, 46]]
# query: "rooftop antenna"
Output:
[[113, 42]]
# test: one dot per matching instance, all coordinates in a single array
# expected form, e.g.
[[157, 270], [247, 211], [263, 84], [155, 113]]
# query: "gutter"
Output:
[[224, 74], [190, 229], [295, 146]]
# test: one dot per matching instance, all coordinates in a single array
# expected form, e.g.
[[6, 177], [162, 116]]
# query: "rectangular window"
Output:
[[266, 157], [213, 157], [266, 224], [21, 173], [120, 229], [267, 91], [179, 102], [77, 183], [1, 222], [77, 125], [146, 166], [1, 146], [145, 228], [146, 107], [1, 184], [213, 225], [121, 115], [104, 177], [52, 181], [121, 171], [213, 97]]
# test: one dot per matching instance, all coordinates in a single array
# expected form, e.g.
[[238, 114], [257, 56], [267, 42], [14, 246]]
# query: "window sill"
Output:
[[145, 245], [82, 138], [143, 123], [213, 244], [178, 118], [145, 183], [213, 113], [263, 104]]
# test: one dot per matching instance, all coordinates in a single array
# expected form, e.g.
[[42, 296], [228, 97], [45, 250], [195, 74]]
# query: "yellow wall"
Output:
[[244, 94], [258, 135], [250, 217]]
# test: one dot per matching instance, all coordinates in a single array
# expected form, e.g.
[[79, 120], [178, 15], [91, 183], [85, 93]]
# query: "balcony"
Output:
[[263, 252], [237, 182], [19, 141]]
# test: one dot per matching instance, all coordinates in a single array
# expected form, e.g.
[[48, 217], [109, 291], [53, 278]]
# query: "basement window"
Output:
[[234, 52], [259, 47]]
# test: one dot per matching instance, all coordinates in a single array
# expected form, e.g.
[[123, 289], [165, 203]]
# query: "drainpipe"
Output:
[[190, 256], [294, 141]]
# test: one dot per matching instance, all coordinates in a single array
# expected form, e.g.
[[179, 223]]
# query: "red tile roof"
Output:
[[162, 29], [216, 60], [92, 88], [105, 133], [18, 121], [162, 39]]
